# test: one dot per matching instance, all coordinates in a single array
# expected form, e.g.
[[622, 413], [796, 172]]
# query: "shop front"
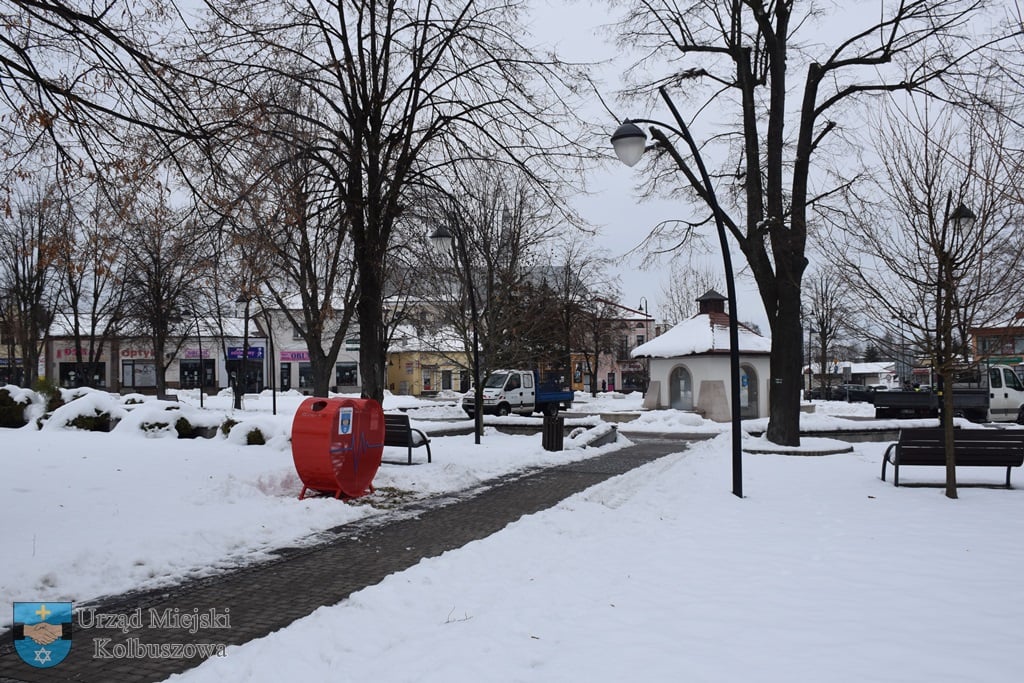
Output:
[[296, 371], [245, 369], [72, 368], [138, 369], [197, 369]]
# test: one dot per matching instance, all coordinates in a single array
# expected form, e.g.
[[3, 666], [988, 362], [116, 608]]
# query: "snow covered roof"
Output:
[[234, 327], [703, 333], [407, 339]]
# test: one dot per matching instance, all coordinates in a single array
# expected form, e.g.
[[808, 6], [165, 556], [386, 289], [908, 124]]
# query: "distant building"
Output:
[[1002, 345], [618, 369], [421, 364]]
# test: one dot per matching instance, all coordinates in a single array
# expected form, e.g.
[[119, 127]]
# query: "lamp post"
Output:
[[630, 143], [453, 244], [645, 309], [202, 367], [810, 359], [960, 219], [269, 320]]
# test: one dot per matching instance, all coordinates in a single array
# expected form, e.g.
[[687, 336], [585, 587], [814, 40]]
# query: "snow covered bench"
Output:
[[398, 432], [925, 446]]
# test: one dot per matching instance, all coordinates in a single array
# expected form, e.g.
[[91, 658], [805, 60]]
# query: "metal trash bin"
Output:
[[337, 445], [553, 435]]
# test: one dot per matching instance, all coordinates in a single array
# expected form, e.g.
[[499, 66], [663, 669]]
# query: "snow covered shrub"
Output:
[[12, 412], [225, 428], [184, 428], [98, 422], [154, 427], [255, 437], [52, 393]]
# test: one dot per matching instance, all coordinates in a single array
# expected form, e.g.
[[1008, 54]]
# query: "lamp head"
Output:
[[442, 239], [962, 216], [629, 143]]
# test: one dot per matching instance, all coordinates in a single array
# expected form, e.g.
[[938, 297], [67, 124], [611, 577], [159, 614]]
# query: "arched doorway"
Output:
[[680, 389], [748, 392]]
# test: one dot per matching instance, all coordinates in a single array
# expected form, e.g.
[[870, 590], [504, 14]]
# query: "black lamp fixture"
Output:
[[630, 143], [453, 245]]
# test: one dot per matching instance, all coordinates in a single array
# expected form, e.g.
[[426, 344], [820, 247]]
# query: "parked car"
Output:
[[851, 392]]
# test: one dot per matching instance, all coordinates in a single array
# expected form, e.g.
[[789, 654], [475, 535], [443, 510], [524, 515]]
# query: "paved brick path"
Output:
[[266, 597]]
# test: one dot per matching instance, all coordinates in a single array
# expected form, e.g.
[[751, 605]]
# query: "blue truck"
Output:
[[523, 392]]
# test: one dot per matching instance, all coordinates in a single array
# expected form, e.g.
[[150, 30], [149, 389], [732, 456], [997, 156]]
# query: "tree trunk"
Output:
[[372, 341], [786, 377], [947, 433], [321, 367], [159, 344]]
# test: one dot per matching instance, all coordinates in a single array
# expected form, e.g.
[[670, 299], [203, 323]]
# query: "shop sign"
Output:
[[290, 356], [255, 352], [60, 352]]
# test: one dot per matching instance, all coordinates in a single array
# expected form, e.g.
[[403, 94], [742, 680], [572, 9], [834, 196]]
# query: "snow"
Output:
[[700, 334], [821, 571]]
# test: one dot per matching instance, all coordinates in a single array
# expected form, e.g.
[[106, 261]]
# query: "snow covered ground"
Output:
[[821, 571]]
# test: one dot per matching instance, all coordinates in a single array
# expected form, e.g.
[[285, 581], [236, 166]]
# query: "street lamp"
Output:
[[202, 367], [630, 143], [453, 244], [645, 309], [810, 359], [960, 219]]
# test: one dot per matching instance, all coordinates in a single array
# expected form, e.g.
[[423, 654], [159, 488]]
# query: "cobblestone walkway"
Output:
[[263, 598]]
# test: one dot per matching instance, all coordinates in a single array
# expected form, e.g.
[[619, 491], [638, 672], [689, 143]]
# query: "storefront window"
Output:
[[305, 375], [286, 376], [248, 376], [196, 373], [83, 375], [138, 373], [345, 375]]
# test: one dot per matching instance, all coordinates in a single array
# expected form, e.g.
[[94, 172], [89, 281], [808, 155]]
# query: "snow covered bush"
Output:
[[88, 410], [13, 401], [254, 437], [227, 426]]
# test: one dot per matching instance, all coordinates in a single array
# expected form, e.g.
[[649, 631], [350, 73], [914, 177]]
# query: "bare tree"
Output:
[[923, 264], [280, 209], [89, 263], [28, 268], [583, 282], [596, 335], [739, 57], [496, 286], [686, 283], [163, 249], [827, 315], [404, 89]]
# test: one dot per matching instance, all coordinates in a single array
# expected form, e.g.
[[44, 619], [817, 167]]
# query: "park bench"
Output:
[[925, 446], [398, 432]]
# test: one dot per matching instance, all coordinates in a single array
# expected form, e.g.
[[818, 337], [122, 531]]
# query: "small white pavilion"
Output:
[[689, 365]]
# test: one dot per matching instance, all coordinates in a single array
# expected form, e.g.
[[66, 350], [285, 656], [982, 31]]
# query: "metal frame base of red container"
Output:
[[337, 495]]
